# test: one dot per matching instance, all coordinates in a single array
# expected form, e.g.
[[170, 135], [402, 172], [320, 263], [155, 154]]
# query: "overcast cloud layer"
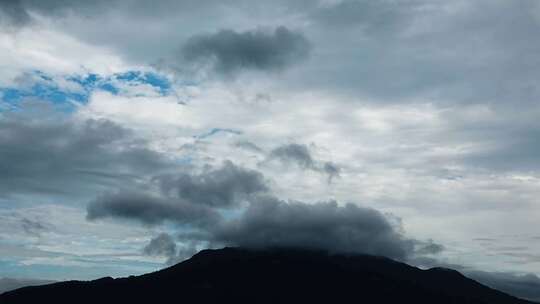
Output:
[[401, 128]]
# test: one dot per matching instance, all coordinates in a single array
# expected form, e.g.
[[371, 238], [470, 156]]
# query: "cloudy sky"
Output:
[[134, 134]]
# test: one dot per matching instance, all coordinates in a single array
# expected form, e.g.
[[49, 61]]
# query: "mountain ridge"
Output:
[[277, 275]]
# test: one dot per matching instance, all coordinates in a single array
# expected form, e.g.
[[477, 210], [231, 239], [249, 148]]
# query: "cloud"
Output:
[[215, 131], [293, 153], [429, 247], [22, 9], [13, 13], [266, 222], [81, 19], [374, 17], [19, 13], [33, 227], [150, 210], [226, 186], [430, 106], [366, 50], [165, 245], [332, 170], [249, 146], [228, 51], [300, 155], [54, 154], [455, 50], [270, 222], [161, 245], [190, 199]]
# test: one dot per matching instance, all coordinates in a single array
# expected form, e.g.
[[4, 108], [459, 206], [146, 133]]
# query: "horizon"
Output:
[[133, 135]]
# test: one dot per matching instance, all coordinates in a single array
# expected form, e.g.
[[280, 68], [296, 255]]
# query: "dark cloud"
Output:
[[19, 12], [33, 227], [226, 186], [300, 155], [270, 222], [332, 170], [265, 222], [186, 198], [159, 22], [229, 51], [161, 245], [12, 12], [135, 8], [246, 145], [165, 245], [293, 153], [429, 247], [62, 156], [150, 210]]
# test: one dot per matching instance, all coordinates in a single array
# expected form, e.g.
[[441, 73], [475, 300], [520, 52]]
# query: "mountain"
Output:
[[234, 275], [7, 284]]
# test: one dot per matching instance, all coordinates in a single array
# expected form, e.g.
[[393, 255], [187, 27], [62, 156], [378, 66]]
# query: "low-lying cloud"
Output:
[[263, 220], [163, 244], [269, 222]]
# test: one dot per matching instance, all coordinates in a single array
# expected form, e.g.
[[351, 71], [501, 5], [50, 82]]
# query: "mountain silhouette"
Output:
[[235, 275]]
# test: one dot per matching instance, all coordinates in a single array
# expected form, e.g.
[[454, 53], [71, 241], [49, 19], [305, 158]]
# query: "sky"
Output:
[[133, 134]]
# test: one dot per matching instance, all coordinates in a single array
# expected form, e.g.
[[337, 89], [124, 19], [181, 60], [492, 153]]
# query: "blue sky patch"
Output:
[[45, 91], [41, 86], [162, 84]]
